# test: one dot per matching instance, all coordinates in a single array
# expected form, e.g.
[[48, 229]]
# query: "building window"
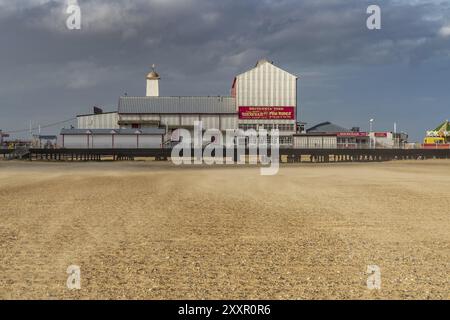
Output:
[[135, 125], [286, 140], [247, 126]]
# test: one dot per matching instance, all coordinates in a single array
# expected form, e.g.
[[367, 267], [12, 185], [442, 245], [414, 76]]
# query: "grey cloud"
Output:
[[314, 32], [209, 40]]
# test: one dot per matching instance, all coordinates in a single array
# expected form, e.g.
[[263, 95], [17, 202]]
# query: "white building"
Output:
[[112, 139], [264, 97], [388, 140], [152, 83]]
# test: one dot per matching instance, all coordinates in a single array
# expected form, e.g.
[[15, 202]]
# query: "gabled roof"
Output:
[[327, 127], [168, 105], [263, 62]]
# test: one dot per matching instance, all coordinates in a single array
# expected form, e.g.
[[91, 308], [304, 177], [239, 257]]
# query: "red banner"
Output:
[[436, 146], [381, 134], [352, 134], [270, 113]]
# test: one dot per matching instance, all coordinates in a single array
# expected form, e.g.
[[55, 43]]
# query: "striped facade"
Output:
[[266, 86], [98, 121], [220, 121]]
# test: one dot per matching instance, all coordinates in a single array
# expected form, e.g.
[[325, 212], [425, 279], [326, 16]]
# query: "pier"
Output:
[[289, 155]]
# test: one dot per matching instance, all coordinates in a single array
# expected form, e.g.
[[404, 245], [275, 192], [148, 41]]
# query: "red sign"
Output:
[[381, 134], [271, 113], [352, 134]]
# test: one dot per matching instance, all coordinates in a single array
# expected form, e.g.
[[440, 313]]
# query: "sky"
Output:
[[348, 73]]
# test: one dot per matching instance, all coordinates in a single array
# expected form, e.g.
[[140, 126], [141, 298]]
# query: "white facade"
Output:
[[170, 120], [266, 85], [228, 122], [112, 141], [100, 141], [272, 92], [148, 142], [98, 121], [315, 142], [210, 121], [75, 142], [152, 88], [387, 139], [215, 121], [126, 141]]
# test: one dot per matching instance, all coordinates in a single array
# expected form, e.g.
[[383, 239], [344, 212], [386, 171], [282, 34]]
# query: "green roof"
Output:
[[444, 127]]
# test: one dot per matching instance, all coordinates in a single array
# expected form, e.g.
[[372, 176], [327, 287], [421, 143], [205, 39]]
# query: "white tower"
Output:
[[153, 83]]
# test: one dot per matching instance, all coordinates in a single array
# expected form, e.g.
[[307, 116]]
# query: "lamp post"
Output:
[[370, 133]]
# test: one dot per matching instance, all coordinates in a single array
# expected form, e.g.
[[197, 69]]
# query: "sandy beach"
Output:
[[150, 230]]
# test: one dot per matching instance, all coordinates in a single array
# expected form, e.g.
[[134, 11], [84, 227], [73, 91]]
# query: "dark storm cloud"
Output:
[[200, 36], [198, 45]]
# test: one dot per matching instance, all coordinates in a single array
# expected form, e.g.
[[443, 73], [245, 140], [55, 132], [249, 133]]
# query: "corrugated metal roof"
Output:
[[327, 127], [144, 131], [170, 105]]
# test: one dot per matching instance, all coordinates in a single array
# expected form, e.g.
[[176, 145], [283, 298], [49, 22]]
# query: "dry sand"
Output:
[[146, 230]]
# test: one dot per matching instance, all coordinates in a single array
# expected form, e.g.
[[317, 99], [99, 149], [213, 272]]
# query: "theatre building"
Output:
[[264, 97]]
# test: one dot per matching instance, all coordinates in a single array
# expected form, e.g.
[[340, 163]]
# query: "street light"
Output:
[[370, 131]]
